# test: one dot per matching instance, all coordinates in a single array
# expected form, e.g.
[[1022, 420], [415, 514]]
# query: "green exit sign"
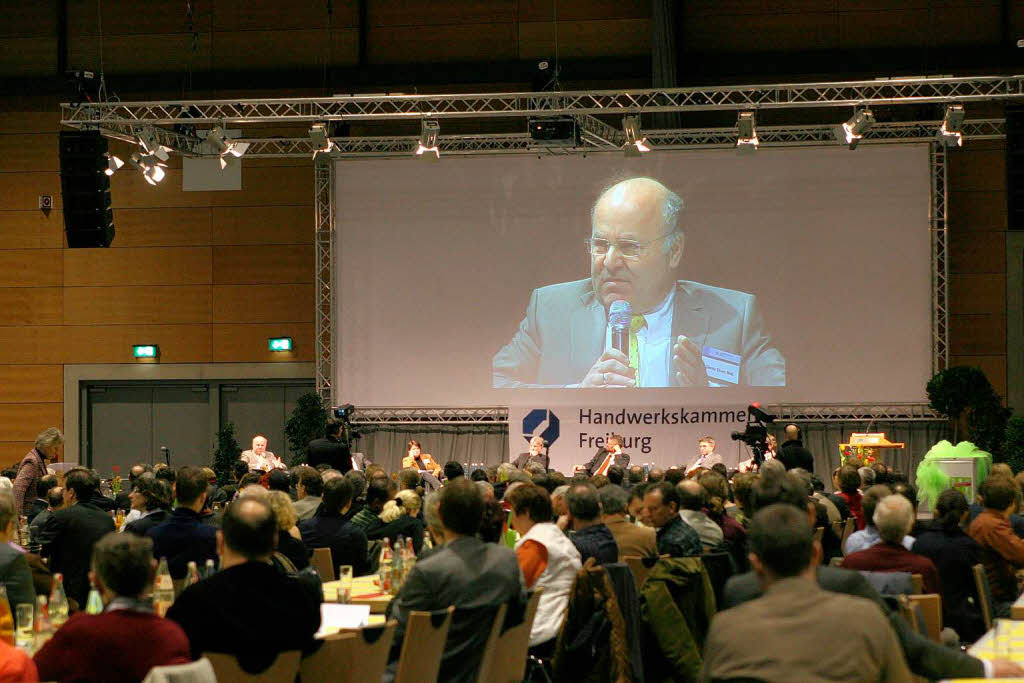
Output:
[[280, 343], [145, 350]]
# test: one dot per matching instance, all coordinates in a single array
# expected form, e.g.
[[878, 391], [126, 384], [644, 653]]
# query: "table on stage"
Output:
[[365, 591]]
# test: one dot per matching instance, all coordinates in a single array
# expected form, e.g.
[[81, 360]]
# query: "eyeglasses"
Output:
[[628, 249]]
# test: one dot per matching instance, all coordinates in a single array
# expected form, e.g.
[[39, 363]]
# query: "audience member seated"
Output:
[[464, 572], [692, 498], [616, 475], [636, 509], [55, 501], [893, 517], [368, 519], [401, 517], [831, 511], [127, 639], [358, 481], [548, 560], [248, 609], [635, 476], [954, 554], [840, 503], [15, 574], [16, 666], [632, 540], [849, 484], [867, 478], [70, 534], [151, 498], [329, 529], [453, 470], [655, 475], [40, 503], [797, 630], [675, 537], [1002, 551], [589, 534], [716, 488], [183, 538], [238, 470], [926, 658], [309, 489], [279, 480], [742, 484], [1016, 520], [862, 540], [289, 540]]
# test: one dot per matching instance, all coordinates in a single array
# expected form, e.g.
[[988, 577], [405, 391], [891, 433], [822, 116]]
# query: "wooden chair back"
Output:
[[984, 594], [509, 661], [351, 656], [917, 584], [819, 532], [837, 528], [848, 528], [930, 605], [283, 670], [323, 562], [423, 645], [490, 647]]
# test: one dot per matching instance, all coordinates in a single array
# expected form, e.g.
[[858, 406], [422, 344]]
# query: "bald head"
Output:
[[691, 495], [250, 529], [644, 212], [792, 432]]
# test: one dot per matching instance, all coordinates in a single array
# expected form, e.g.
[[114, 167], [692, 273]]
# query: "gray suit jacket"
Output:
[[924, 657], [473, 576], [563, 334], [16, 577]]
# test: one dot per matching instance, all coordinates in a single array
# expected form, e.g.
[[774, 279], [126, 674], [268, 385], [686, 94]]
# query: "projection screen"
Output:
[[800, 275]]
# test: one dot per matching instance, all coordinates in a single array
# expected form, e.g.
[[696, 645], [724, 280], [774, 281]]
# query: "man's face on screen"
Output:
[[633, 211]]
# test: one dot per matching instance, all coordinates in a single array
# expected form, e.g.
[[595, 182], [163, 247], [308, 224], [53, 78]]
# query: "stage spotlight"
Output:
[[150, 166], [429, 131], [747, 141], [951, 131], [636, 144], [113, 163], [320, 134], [225, 146], [851, 132], [151, 147]]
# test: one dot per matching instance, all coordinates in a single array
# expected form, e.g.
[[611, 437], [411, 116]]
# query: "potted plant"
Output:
[[306, 423], [975, 412]]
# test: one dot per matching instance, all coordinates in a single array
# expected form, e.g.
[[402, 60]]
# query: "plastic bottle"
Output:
[[41, 625], [94, 604], [6, 618], [210, 569], [192, 575], [163, 589], [397, 577], [23, 532], [409, 559], [384, 566], [59, 602]]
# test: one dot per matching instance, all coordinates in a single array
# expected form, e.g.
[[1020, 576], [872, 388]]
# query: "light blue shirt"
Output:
[[862, 540], [654, 345]]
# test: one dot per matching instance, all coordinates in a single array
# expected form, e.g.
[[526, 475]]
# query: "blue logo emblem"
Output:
[[542, 423]]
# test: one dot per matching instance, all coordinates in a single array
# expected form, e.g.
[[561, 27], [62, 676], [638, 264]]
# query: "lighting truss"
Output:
[[324, 336], [386, 415], [893, 91], [854, 412]]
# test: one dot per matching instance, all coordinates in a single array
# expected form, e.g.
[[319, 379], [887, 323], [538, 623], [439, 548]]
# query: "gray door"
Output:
[[181, 422]]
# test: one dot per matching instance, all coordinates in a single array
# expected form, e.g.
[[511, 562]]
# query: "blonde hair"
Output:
[[392, 510], [284, 511]]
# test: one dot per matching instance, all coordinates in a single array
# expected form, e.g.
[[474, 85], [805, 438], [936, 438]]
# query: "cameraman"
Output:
[[331, 449]]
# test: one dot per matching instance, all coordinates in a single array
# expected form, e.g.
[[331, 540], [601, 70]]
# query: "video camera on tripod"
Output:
[[343, 414], [756, 433]]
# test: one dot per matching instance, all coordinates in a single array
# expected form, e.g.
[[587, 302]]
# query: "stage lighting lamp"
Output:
[[851, 132], [225, 146], [636, 142], [951, 131], [429, 131], [145, 351], [279, 343], [320, 135], [747, 140], [113, 164]]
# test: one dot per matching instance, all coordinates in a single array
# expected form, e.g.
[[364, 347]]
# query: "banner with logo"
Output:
[[662, 436]]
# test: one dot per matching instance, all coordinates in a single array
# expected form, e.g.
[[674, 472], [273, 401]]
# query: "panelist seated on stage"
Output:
[[538, 453], [415, 457], [610, 454], [259, 458], [706, 456], [682, 333]]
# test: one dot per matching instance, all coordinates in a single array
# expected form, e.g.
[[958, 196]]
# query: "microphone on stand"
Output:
[[167, 454], [620, 315]]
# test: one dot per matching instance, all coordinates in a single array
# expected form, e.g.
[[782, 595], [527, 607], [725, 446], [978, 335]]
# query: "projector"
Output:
[[554, 130]]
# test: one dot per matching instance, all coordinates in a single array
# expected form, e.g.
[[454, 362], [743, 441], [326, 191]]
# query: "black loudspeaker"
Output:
[[85, 189], [1015, 167]]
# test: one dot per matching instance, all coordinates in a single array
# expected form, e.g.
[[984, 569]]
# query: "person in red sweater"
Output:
[[1002, 552], [849, 484], [894, 515], [127, 639]]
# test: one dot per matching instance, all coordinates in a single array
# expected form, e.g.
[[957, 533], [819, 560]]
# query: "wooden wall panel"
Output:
[[976, 210], [29, 115], [993, 366], [137, 305], [113, 343], [282, 49], [417, 13], [174, 227], [21, 421], [28, 56], [263, 225], [977, 293], [31, 305], [263, 264], [243, 15], [20, 191], [981, 334], [31, 229], [30, 268], [248, 343], [576, 10], [30, 152], [31, 345], [978, 170], [263, 303], [753, 33], [31, 384], [137, 266], [977, 252], [579, 39], [449, 43], [12, 452], [161, 52]]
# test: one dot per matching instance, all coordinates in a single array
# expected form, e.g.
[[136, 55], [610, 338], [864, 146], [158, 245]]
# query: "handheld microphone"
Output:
[[620, 314]]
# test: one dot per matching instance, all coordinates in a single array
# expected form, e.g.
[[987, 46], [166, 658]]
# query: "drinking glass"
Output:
[[23, 615], [345, 583]]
